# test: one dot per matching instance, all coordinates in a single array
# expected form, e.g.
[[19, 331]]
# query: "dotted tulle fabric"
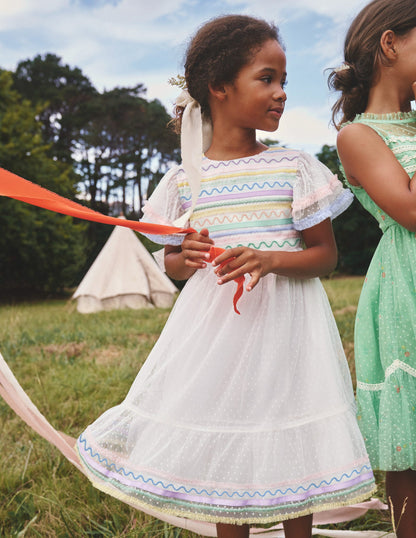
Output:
[[250, 418], [385, 331]]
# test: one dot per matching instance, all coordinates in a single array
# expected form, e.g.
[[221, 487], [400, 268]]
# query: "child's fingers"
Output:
[[255, 277], [205, 232], [232, 275], [195, 261], [197, 241], [205, 239], [202, 236], [195, 264], [228, 253], [231, 264], [195, 246], [195, 255]]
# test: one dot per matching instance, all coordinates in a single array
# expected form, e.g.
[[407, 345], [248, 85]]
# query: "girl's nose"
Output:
[[280, 94]]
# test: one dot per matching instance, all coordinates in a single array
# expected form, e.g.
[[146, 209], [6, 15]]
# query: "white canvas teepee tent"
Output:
[[124, 275]]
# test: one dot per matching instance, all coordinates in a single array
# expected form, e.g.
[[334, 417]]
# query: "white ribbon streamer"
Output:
[[196, 136]]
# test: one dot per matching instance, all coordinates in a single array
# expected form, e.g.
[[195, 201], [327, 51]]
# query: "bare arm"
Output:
[[369, 163], [182, 262], [318, 259]]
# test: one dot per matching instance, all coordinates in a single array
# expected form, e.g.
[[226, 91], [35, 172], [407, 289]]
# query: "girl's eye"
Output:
[[268, 80]]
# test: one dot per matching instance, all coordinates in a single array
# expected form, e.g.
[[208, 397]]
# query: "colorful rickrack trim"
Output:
[[221, 514], [224, 497], [216, 511]]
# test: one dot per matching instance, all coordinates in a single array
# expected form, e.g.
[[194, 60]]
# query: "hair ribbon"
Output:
[[196, 137]]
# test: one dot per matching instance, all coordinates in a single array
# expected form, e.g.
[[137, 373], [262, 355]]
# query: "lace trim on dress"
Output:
[[173, 240], [396, 365], [391, 116], [149, 215], [324, 192], [317, 193], [332, 211]]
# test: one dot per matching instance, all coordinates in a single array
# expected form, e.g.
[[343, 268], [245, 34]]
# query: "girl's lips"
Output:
[[276, 111]]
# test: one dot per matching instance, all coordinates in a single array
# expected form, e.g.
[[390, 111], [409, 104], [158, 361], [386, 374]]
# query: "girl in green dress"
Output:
[[377, 147]]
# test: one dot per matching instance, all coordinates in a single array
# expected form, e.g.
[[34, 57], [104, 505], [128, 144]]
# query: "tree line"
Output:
[[108, 149]]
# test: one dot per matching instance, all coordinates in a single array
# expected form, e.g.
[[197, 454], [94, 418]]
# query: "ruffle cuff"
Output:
[[317, 194], [151, 217], [163, 207], [333, 208]]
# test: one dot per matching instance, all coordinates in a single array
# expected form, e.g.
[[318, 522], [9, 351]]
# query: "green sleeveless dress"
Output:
[[385, 329]]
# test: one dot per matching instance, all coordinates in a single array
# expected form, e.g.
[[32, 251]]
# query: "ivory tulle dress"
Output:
[[385, 332], [240, 418]]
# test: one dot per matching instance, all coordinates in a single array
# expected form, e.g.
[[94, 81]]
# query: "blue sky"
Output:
[[125, 42]]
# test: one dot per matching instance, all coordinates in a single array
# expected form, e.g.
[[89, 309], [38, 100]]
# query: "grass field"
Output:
[[74, 367]]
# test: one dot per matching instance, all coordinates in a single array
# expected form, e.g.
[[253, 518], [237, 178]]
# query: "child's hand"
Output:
[[195, 249], [242, 260]]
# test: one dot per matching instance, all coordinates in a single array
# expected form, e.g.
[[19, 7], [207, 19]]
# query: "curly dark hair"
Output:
[[218, 51], [363, 53]]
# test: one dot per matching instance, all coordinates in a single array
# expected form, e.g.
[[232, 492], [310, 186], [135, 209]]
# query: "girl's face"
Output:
[[406, 62], [256, 98]]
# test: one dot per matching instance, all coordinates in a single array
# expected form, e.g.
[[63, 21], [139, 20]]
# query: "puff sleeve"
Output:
[[317, 194], [164, 207]]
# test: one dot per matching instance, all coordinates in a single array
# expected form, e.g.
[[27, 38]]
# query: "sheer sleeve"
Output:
[[164, 207], [317, 194]]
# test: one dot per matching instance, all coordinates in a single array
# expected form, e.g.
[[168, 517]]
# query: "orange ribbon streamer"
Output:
[[14, 186], [213, 253]]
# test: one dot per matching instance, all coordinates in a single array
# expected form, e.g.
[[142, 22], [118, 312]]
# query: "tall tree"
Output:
[[62, 91], [356, 231], [123, 144], [40, 250], [155, 146]]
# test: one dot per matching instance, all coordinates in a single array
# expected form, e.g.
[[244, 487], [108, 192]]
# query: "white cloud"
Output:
[[158, 87], [129, 20], [18, 13], [303, 128], [111, 41], [334, 9], [107, 41]]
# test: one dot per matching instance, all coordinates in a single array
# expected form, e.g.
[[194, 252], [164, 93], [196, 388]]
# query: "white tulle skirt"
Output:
[[237, 419]]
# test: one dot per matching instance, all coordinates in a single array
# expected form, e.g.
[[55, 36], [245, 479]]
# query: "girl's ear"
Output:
[[388, 42], [217, 91]]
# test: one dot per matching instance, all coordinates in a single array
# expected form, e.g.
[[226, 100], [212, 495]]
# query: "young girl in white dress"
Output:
[[240, 419]]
